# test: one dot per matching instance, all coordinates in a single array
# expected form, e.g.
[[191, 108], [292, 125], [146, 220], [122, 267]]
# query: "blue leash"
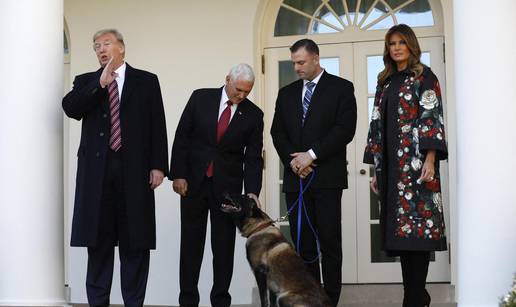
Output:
[[301, 207]]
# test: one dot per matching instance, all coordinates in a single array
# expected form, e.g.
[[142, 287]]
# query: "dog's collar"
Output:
[[261, 227]]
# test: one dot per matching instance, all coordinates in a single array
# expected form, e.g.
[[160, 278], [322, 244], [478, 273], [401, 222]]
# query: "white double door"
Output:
[[363, 260]]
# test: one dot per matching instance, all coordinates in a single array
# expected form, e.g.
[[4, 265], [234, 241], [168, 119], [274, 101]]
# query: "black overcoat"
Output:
[[144, 147], [413, 218]]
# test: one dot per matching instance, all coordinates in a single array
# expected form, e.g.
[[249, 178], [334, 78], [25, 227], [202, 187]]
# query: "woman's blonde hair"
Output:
[[414, 64]]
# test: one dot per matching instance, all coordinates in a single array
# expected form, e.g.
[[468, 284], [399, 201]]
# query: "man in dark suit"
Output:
[[315, 119], [217, 147], [122, 158]]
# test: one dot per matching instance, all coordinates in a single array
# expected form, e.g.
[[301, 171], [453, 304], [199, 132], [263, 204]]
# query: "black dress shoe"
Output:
[[427, 299]]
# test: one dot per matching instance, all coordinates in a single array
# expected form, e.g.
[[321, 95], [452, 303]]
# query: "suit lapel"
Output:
[[105, 103], [129, 84], [298, 103], [213, 114], [316, 96]]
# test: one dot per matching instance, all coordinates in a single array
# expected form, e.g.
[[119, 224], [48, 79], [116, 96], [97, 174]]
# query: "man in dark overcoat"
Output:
[[122, 158]]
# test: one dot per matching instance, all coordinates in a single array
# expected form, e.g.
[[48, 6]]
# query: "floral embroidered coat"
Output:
[[412, 216]]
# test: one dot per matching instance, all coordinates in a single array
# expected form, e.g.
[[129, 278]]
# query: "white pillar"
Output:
[[485, 46], [31, 193]]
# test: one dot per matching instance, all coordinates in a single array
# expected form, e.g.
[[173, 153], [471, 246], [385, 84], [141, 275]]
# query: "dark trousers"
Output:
[[113, 229], [324, 211], [414, 268], [194, 216]]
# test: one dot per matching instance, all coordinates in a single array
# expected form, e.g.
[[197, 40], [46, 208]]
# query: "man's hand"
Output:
[[108, 74], [374, 185], [155, 178], [300, 162], [255, 198], [305, 172], [180, 186]]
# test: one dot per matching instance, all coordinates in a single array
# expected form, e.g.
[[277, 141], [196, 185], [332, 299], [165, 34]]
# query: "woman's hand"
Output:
[[374, 185], [428, 171]]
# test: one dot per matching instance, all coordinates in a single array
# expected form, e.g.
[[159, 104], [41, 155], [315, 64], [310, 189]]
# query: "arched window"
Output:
[[301, 17]]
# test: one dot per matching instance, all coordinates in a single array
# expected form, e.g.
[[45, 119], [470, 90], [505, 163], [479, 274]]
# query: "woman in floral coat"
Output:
[[405, 143]]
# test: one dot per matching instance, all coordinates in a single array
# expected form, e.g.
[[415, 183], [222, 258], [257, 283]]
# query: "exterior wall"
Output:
[[188, 44]]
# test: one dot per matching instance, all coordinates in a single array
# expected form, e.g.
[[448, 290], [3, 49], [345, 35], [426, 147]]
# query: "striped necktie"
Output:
[[308, 96], [115, 141]]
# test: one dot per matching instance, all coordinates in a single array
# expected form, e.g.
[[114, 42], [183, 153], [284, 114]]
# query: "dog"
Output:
[[279, 271]]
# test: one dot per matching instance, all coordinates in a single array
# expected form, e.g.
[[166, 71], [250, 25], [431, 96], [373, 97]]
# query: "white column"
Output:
[[485, 66], [31, 193]]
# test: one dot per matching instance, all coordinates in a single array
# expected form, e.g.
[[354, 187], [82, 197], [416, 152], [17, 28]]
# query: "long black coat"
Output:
[[413, 218], [144, 145], [237, 158], [329, 126]]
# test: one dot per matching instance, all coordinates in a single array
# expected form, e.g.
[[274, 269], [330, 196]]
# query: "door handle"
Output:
[[363, 172]]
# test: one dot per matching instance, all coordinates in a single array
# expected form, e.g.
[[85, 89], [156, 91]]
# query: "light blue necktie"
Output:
[[308, 96]]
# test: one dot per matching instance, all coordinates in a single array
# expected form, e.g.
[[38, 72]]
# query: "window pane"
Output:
[[377, 254], [326, 15], [374, 66], [425, 58], [374, 206], [339, 9], [290, 23], [352, 7], [281, 170], [282, 202], [377, 12], [385, 23], [331, 65], [307, 6], [364, 7], [416, 14], [287, 74], [370, 104]]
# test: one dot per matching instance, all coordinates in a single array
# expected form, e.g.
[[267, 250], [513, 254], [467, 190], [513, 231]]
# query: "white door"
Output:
[[363, 261]]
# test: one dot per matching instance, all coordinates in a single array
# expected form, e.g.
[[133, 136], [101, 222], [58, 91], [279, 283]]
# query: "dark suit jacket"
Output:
[[329, 126], [144, 147], [237, 157]]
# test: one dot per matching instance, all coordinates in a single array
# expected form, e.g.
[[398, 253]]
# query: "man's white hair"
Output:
[[241, 71]]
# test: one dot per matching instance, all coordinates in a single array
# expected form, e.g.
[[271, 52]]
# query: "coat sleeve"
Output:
[[343, 131], [181, 146], [372, 146], [279, 132], [253, 161], [159, 144], [84, 97], [430, 123]]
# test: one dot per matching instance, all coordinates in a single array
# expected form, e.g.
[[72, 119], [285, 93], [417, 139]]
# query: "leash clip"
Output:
[[282, 218]]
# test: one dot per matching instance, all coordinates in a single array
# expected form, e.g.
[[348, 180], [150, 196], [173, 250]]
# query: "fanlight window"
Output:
[[299, 17]]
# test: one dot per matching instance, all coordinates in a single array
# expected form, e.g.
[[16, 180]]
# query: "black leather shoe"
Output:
[[427, 299]]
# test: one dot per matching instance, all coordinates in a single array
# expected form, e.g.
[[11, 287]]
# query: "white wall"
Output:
[[188, 44]]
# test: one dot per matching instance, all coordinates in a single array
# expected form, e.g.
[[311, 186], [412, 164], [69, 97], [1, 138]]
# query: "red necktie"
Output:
[[115, 141], [222, 126]]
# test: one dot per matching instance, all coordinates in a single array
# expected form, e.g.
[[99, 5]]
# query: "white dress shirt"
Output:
[[120, 79]]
